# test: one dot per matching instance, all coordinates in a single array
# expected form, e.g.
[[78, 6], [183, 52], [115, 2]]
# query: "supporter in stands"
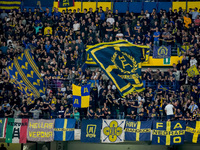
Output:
[[169, 109], [61, 112], [8, 112], [36, 112], [16, 111]]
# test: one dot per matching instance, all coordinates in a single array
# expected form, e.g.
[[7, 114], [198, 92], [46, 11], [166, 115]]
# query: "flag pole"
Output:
[[88, 110]]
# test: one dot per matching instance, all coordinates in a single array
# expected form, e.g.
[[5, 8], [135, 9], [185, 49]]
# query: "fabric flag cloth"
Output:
[[10, 4], [64, 129], [192, 132], [161, 88], [162, 51], [16, 130], [65, 3], [91, 130], [146, 61], [40, 130], [168, 132], [192, 71], [112, 131], [3, 124], [181, 50], [24, 73], [138, 130], [92, 83], [121, 62], [81, 96]]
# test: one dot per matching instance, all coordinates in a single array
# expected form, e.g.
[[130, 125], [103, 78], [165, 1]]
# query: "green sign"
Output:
[[166, 61]]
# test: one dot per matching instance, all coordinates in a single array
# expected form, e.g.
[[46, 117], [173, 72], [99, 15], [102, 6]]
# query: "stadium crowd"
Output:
[[60, 40]]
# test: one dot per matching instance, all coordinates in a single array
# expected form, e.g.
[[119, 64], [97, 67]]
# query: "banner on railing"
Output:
[[91, 131], [16, 130], [162, 51], [64, 129], [41, 130], [112, 131], [3, 123], [106, 131], [192, 132], [138, 130], [168, 133]]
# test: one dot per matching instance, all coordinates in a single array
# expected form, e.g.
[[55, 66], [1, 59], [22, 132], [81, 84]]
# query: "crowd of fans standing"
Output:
[[60, 40]]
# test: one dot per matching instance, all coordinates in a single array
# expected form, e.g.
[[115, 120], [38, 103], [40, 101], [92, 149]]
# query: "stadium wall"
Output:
[[131, 145], [122, 7], [87, 5], [135, 7]]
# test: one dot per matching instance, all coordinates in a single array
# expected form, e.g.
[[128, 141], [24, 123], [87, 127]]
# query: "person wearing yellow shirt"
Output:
[[187, 20], [48, 28]]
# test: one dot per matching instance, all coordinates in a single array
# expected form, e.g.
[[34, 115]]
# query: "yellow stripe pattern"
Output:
[[196, 134], [33, 65], [168, 126], [10, 3], [64, 132], [137, 133], [25, 80]]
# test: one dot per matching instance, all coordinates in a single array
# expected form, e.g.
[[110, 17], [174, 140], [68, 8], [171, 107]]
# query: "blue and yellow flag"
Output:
[[138, 130], [161, 88], [192, 132], [192, 71], [91, 130], [168, 132], [162, 51], [81, 96], [24, 89], [146, 61], [25, 75], [121, 62], [92, 83], [181, 50], [64, 129], [10, 4]]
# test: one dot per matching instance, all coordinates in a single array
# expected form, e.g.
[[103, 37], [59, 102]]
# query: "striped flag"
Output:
[[10, 4], [3, 123], [16, 130]]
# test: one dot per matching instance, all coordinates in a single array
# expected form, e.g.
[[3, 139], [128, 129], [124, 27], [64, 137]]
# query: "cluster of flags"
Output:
[[159, 132], [21, 130], [120, 60], [96, 131]]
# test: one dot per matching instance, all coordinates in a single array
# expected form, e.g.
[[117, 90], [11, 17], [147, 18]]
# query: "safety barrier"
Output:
[[136, 7]]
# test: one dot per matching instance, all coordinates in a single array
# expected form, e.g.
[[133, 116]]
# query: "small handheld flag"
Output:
[[81, 96]]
